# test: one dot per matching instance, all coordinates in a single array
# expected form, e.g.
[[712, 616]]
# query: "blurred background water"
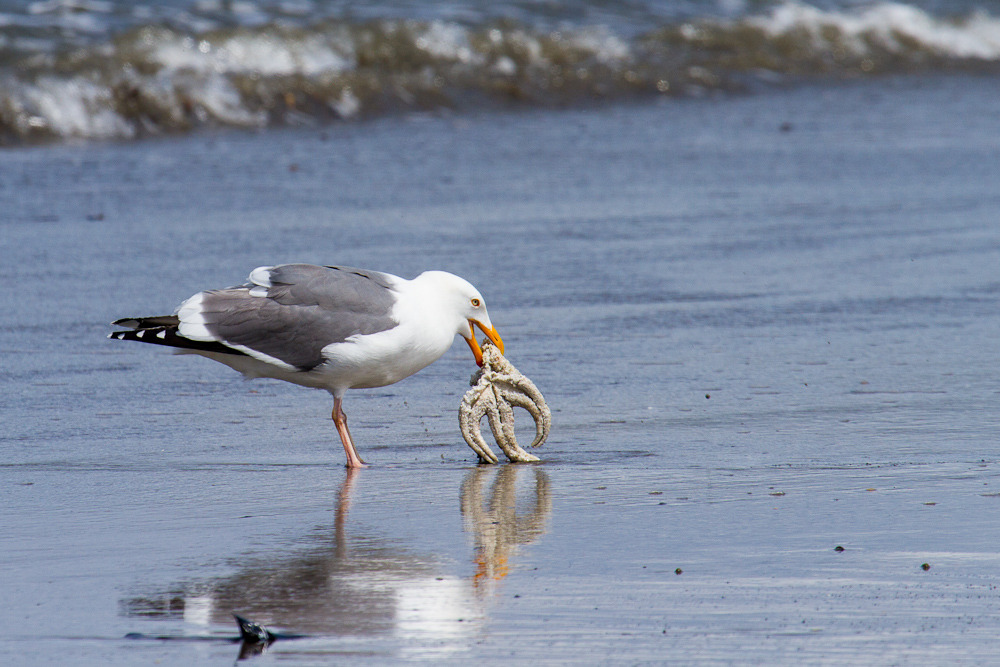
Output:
[[109, 69]]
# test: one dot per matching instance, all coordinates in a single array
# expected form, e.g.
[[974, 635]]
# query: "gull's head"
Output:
[[465, 305]]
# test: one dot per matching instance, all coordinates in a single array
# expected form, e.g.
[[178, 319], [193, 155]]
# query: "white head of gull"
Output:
[[327, 327]]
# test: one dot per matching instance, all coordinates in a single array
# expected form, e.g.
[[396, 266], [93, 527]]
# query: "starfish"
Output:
[[497, 388]]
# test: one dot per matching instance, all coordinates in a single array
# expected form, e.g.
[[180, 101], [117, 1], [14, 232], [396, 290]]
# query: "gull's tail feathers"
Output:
[[162, 330]]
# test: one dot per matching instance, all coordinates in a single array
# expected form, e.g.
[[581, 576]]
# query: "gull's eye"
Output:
[[476, 303]]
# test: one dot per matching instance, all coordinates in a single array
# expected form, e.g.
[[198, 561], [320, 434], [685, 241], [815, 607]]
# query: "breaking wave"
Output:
[[160, 78]]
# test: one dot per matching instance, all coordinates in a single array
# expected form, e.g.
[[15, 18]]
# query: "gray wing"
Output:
[[291, 312]]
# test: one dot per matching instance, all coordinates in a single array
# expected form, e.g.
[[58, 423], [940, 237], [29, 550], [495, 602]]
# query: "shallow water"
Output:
[[766, 325]]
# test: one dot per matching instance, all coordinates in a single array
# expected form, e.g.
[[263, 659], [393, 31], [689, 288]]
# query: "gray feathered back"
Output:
[[306, 308]]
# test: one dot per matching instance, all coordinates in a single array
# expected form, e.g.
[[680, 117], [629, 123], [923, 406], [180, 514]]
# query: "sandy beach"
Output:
[[767, 326]]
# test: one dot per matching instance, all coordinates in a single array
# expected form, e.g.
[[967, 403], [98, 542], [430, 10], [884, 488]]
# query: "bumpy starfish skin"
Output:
[[497, 388]]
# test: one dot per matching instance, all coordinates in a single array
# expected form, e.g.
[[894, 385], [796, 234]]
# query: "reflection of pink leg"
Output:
[[340, 419], [343, 504]]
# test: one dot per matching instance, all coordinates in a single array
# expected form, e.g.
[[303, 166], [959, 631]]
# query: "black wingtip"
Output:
[[168, 336], [252, 633], [148, 322]]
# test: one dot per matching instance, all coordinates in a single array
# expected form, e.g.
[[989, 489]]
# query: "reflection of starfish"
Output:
[[497, 389], [493, 520]]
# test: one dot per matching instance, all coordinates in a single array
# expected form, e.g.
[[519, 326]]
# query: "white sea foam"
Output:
[[172, 79], [347, 105], [504, 66], [215, 98], [891, 26], [605, 47], [263, 53], [273, 53], [526, 44], [447, 41], [72, 108]]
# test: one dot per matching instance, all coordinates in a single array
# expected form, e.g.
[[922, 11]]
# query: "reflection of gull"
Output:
[[495, 523], [435, 616], [354, 588], [344, 587]]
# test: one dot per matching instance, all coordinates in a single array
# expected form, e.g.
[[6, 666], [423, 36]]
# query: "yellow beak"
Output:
[[491, 333]]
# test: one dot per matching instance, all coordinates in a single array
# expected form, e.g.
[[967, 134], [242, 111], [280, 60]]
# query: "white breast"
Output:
[[423, 335]]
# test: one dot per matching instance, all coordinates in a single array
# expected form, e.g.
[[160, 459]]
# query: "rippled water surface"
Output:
[[766, 325]]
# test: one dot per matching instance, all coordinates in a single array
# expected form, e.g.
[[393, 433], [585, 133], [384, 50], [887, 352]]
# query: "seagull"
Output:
[[325, 327]]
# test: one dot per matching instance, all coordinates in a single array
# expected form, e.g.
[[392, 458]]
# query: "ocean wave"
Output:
[[157, 79]]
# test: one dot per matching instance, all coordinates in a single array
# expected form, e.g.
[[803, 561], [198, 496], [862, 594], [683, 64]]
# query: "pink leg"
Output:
[[340, 419]]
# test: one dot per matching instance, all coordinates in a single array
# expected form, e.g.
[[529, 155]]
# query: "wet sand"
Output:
[[759, 343]]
